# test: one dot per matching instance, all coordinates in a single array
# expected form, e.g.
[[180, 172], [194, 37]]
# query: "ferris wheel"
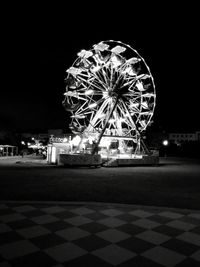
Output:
[[110, 93]]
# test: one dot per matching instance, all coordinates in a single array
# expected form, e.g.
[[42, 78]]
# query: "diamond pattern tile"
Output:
[[53, 209], [146, 223], [112, 212], [82, 211], [181, 225], [153, 237], [135, 244], [11, 217], [78, 220], [190, 238], [62, 235], [38, 258], [141, 213], [196, 255], [4, 264], [114, 254], [72, 233], [24, 208], [4, 228], [180, 246], [33, 231], [171, 214], [44, 219], [113, 235], [112, 222], [16, 249], [164, 256], [91, 242], [65, 252], [195, 215]]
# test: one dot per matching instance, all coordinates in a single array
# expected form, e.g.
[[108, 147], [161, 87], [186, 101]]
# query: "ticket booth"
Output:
[[55, 149]]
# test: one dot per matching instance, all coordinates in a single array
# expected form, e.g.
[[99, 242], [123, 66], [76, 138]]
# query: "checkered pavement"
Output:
[[35, 234]]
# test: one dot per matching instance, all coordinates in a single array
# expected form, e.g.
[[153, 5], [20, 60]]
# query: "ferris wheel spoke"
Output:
[[103, 75], [86, 108], [129, 117], [99, 113], [88, 83], [81, 108], [106, 72], [99, 80], [124, 117]]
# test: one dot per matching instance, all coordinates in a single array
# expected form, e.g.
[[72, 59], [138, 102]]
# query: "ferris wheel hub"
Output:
[[111, 93]]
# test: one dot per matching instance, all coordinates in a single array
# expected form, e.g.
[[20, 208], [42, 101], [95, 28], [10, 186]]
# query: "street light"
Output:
[[165, 144]]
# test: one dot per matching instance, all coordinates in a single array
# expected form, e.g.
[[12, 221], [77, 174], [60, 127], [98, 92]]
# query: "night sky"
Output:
[[38, 50]]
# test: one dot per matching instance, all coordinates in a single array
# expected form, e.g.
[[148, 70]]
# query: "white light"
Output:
[[93, 105], [102, 116], [129, 71], [115, 61], [22, 142], [139, 86], [104, 143], [165, 142], [144, 105], [76, 140], [105, 94], [32, 138], [95, 69], [53, 155], [90, 140], [77, 116], [89, 92]]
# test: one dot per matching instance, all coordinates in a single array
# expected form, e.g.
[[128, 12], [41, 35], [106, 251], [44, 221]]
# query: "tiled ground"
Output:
[[33, 234]]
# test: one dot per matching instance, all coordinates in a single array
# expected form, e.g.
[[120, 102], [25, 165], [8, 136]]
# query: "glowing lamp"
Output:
[[89, 92], [76, 140], [165, 142], [93, 105]]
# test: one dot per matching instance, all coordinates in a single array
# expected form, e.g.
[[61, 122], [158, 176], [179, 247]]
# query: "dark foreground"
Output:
[[174, 183], [34, 232], [66, 235]]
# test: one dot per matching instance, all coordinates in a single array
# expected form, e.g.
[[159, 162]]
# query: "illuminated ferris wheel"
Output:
[[111, 95]]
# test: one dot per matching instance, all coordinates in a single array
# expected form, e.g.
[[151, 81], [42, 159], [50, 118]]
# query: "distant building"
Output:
[[55, 132], [179, 138]]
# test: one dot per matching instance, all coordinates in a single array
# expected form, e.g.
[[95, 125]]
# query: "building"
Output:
[[8, 150], [179, 138]]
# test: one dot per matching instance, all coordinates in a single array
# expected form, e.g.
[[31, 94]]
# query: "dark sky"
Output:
[[38, 49]]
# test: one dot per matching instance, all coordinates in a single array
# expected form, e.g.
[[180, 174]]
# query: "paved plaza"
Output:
[[82, 234]]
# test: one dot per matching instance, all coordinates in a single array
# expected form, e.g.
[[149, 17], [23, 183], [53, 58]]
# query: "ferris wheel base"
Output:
[[145, 160], [79, 160], [97, 161]]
